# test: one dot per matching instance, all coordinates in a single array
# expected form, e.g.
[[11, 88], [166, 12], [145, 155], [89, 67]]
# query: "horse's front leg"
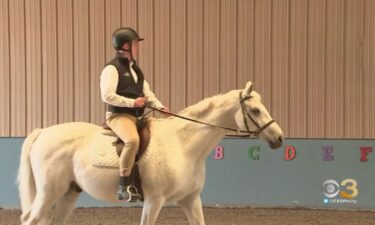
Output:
[[151, 209], [192, 205]]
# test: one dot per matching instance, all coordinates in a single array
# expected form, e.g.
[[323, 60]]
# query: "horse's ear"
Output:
[[249, 88]]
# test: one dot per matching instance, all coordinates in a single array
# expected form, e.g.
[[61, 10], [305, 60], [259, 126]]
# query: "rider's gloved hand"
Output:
[[165, 109], [139, 102]]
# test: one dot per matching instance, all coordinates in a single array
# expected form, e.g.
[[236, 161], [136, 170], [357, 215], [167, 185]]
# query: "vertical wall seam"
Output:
[[153, 42], [74, 63], [105, 41], [219, 53], [271, 52], [41, 61], [363, 39], [325, 70], [186, 54], [121, 19], [91, 119], [202, 49], [254, 42], [26, 69], [170, 50], [289, 66], [57, 64], [136, 15], [236, 46], [10, 72], [343, 67], [307, 71]]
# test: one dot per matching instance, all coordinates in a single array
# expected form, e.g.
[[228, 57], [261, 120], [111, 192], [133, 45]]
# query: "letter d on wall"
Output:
[[289, 153]]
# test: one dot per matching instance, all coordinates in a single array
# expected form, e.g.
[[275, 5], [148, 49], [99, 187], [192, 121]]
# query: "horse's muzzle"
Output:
[[274, 144]]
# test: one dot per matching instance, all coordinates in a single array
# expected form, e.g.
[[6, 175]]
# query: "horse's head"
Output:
[[254, 117]]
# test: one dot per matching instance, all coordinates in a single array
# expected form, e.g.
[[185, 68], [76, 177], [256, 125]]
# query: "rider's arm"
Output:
[[151, 98], [108, 86]]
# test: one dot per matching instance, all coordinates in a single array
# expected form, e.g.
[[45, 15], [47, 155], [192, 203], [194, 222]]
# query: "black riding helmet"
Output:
[[123, 35]]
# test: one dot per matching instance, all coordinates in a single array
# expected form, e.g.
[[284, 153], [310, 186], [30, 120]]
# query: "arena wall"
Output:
[[246, 172], [312, 60]]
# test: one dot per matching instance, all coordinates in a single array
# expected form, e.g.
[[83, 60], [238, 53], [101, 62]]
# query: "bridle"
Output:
[[245, 114]]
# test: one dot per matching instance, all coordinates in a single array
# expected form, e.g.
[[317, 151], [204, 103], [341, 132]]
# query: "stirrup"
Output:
[[129, 195], [133, 194]]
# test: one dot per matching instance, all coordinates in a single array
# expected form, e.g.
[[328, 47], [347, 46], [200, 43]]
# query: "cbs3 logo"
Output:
[[348, 188]]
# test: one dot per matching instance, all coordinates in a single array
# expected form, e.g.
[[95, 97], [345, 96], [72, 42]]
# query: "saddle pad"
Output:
[[102, 152]]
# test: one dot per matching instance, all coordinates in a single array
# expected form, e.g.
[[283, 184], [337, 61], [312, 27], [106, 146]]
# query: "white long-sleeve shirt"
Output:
[[108, 87]]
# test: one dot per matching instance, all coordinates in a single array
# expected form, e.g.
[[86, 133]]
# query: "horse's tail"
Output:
[[26, 183]]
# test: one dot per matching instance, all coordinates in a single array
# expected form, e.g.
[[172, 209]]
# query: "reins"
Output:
[[244, 113], [249, 133]]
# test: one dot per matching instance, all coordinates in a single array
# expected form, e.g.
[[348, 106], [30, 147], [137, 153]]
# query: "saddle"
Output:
[[143, 127]]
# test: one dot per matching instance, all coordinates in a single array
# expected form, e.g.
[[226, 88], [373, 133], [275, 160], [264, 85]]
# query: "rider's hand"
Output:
[[139, 102], [165, 109]]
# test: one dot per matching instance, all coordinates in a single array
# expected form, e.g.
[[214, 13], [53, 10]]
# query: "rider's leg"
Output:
[[124, 126]]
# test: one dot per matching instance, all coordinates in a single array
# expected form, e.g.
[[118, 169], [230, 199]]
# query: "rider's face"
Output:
[[134, 49]]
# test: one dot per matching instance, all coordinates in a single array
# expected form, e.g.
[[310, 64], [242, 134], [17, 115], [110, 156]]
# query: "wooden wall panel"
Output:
[[4, 70], [17, 72], [129, 16], [228, 43], [194, 82], [98, 43], [316, 69], [49, 65], [334, 85], [112, 22], [178, 56], [353, 69], [65, 57], [81, 61], [195, 37], [280, 64], [298, 68], [311, 60], [146, 47], [33, 65], [211, 47], [245, 42], [263, 49], [162, 51], [369, 70]]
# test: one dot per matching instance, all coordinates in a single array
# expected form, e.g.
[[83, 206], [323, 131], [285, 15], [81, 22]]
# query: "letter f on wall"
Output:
[[364, 153]]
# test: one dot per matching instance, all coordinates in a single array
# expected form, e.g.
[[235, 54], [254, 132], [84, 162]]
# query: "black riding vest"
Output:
[[127, 87]]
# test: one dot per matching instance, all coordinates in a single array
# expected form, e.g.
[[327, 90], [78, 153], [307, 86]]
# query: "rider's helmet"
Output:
[[124, 35]]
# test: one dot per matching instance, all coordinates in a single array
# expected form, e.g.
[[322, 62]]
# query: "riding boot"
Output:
[[127, 191]]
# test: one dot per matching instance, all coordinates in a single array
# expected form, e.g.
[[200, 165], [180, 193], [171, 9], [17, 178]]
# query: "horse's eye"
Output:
[[256, 111]]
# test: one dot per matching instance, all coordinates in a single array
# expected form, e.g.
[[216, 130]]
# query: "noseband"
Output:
[[245, 114]]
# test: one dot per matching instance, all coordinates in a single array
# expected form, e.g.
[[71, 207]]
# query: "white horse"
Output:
[[55, 165]]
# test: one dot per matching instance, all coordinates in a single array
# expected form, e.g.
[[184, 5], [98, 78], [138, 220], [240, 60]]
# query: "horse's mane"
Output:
[[206, 105]]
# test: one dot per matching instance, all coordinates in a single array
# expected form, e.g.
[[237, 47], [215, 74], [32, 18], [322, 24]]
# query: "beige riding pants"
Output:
[[124, 125]]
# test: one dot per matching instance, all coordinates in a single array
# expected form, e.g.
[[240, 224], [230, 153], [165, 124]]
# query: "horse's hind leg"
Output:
[[41, 209], [65, 205], [192, 205], [47, 196], [55, 212]]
